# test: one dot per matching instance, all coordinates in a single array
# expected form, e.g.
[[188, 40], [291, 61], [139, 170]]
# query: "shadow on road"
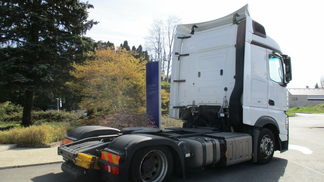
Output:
[[248, 172], [51, 177], [60, 177], [244, 172]]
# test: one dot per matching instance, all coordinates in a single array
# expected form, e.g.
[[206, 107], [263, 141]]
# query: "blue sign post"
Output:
[[153, 94]]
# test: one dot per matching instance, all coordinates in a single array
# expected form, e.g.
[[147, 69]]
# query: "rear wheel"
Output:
[[266, 146], [152, 164]]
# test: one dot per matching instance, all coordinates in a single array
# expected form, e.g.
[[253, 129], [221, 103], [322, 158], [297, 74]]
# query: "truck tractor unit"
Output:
[[228, 85]]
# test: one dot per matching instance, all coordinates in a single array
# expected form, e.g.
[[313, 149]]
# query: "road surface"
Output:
[[303, 162]]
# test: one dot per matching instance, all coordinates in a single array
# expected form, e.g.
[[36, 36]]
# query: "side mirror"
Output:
[[288, 71]]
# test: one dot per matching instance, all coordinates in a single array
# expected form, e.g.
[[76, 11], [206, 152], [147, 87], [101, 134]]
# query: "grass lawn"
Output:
[[306, 109]]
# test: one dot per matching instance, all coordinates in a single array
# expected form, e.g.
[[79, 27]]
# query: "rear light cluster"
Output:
[[111, 169], [113, 159], [66, 141]]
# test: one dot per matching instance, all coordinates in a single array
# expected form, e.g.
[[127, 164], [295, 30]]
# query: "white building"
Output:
[[305, 96]]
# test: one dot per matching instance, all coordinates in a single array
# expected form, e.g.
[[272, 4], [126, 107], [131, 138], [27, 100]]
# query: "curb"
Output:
[[5, 147], [30, 165], [55, 144]]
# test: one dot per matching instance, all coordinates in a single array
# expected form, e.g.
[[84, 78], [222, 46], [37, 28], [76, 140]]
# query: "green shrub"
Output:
[[57, 131], [13, 117], [49, 126], [13, 108], [168, 122], [92, 120], [35, 135], [8, 124], [10, 112], [13, 113], [122, 120], [54, 116]]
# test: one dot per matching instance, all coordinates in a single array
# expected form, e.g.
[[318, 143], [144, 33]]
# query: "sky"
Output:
[[297, 26]]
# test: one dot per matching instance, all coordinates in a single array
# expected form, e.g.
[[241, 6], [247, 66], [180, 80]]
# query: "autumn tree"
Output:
[[113, 82], [39, 41], [165, 97]]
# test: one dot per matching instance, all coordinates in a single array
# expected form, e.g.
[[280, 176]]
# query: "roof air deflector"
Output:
[[258, 29]]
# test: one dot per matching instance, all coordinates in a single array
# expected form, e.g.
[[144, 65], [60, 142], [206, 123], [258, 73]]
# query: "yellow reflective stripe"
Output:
[[110, 157], [106, 156], [114, 158]]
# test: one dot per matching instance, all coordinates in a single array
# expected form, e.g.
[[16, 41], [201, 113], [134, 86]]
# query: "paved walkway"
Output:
[[10, 156]]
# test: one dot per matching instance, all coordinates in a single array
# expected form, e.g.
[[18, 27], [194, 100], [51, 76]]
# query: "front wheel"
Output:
[[266, 146], [152, 164]]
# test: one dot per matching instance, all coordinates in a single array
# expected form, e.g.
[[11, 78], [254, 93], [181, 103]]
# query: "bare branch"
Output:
[[159, 42]]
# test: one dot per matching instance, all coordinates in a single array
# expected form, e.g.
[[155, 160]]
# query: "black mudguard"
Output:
[[126, 145], [91, 131]]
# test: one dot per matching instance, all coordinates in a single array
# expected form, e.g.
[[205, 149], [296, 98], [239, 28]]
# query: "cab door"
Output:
[[277, 91]]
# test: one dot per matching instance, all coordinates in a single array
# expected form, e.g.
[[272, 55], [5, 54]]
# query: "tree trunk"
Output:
[[168, 70], [27, 112]]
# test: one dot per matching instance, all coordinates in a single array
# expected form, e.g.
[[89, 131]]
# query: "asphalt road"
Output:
[[303, 162]]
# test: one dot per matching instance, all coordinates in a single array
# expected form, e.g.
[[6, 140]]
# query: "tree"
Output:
[[111, 45], [316, 85], [172, 22], [40, 39], [322, 81], [113, 82], [155, 41], [159, 42], [142, 54], [138, 53], [101, 45], [125, 45], [133, 48]]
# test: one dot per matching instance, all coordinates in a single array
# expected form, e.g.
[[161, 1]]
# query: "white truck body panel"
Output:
[[209, 57], [212, 51], [206, 68]]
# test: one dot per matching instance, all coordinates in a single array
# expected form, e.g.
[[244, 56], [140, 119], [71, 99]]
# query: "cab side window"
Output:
[[276, 69]]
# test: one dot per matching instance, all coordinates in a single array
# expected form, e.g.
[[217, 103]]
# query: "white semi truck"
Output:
[[228, 85]]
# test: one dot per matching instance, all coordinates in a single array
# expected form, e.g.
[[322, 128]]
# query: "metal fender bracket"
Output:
[[179, 55]]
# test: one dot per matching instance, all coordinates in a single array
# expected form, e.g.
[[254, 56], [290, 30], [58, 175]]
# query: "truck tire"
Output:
[[266, 146], [152, 164]]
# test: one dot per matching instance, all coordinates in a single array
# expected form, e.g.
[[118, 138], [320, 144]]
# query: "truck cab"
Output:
[[229, 74]]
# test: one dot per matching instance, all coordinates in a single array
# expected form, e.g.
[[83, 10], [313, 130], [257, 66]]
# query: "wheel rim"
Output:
[[266, 146], [154, 166]]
